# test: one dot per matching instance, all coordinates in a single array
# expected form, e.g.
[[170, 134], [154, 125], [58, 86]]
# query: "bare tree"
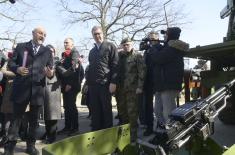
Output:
[[13, 21], [131, 18]]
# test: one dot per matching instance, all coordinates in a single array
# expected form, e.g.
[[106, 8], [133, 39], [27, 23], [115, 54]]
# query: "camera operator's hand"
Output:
[[23, 71], [138, 91]]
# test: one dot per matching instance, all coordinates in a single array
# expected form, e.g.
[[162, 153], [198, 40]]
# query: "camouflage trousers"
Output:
[[128, 110]]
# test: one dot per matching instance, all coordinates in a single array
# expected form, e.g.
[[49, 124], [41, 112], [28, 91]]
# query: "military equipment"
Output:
[[227, 9], [190, 120], [99, 142], [221, 56]]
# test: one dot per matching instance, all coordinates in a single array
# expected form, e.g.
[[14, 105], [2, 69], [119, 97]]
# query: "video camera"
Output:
[[145, 43]]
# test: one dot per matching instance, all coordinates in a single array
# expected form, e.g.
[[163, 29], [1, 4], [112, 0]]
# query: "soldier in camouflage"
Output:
[[131, 72]]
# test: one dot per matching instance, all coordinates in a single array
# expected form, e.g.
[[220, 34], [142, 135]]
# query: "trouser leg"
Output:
[[18, 111], [33, 122], [51, 127], [73, 110], [158, 108], [66, 110], [133, 114], [148, 101], [95, 107], [106, 112], [169, 102]]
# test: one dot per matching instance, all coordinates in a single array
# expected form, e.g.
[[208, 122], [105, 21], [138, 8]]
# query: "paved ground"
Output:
[[224, 134], [84, 126]]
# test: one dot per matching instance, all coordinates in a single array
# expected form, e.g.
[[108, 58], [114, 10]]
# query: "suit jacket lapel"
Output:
[[29, 48], [40, 50]]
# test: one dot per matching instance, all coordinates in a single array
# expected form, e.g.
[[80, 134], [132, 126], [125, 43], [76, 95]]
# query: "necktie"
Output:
[[35, 49]]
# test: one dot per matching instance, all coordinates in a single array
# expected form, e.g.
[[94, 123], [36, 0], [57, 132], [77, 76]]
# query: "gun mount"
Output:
[[190, 120]]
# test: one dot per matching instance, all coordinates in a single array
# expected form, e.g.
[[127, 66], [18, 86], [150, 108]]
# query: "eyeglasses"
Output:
[[95, 34]]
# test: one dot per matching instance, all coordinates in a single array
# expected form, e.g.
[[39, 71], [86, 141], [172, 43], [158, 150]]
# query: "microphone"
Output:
[[25, 58]]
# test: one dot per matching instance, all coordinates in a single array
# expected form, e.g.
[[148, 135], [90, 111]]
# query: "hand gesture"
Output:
[[49, 72]]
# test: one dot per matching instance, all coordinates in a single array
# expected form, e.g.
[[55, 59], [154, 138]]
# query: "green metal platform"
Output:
[[93, 143]]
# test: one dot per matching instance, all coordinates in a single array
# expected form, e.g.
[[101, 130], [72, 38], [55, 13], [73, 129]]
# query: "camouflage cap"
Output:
[[126, 40]]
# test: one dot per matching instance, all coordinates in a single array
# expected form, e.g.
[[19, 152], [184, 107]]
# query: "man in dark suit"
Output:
[[31, 62], [101, 79]]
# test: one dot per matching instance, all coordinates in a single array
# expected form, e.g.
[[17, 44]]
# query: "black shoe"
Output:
[[63, 131], [44, 136], [148, 132], [73, 132], [50, 140], [31, 150]]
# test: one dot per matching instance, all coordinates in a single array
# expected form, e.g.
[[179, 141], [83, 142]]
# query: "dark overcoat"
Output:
[[30, 88]]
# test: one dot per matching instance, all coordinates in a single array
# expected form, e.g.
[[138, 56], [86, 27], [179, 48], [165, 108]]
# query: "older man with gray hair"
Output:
[[31, 62]]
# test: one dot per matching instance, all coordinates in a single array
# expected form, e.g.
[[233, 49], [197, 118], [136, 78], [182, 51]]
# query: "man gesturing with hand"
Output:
[[31, 63]]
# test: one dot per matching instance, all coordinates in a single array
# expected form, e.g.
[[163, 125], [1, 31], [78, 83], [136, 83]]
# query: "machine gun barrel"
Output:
[[210, 102], [196, 117], [224, 89], [189, 120]]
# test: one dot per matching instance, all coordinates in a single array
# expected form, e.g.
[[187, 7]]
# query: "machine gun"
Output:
[[189, 120]]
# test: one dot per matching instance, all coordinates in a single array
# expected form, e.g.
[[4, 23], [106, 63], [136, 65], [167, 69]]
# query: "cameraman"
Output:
[[168, 74], [153, 46]]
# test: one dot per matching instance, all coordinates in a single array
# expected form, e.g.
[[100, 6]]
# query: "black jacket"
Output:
[[67, 73], [169, 66], [149, 79], [103, 64], [32, 85]]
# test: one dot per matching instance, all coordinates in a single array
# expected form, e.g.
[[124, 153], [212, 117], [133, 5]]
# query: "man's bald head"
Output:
[[39, 35]]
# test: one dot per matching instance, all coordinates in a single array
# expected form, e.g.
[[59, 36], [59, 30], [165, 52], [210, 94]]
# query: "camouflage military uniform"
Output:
[[130, 77]]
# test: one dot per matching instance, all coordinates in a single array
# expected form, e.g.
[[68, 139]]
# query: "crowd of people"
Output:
[[33, 79]]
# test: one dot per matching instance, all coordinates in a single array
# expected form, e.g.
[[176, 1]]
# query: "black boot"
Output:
[[9, 148], [31, 150]]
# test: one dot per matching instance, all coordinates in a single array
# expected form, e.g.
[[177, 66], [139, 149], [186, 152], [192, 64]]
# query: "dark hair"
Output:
[[173, 33]]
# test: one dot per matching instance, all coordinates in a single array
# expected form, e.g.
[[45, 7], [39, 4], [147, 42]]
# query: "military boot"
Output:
[[31, 149]]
